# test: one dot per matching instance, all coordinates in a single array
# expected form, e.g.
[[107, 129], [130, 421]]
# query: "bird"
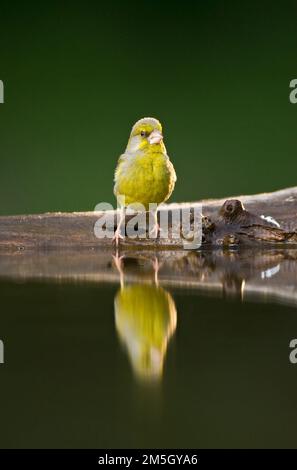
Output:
[[144, 173], [145, 318]]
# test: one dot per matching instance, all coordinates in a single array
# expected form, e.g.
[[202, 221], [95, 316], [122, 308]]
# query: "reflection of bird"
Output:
[[145, 317], [144, 173]]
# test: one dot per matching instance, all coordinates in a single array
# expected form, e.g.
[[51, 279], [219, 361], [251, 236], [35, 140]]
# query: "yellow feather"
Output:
[[144, 173]]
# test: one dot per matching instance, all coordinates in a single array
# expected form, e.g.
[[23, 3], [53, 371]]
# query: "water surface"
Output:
[[92, 363]]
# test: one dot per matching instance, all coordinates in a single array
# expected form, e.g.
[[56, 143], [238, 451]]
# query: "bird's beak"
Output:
[[155, 137]]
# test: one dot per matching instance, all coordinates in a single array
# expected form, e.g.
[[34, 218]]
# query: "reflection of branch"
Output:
[[242, 273], [226, 223]]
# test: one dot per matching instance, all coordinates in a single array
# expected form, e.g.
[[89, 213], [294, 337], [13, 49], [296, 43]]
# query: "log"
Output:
[[242, 255], [228, 223]]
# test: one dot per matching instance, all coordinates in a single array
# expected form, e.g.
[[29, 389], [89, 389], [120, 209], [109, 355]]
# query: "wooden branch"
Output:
[[226, 224]]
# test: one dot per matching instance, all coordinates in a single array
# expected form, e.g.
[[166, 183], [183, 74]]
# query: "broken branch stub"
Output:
[[234, 225]]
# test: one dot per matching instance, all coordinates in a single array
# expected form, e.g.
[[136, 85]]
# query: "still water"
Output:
[[195, 356]]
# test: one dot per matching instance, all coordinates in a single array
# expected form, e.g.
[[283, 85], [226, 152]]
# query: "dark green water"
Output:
[[68, 380]]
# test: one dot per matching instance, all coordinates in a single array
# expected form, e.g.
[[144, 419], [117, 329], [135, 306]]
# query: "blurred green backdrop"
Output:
[[77, 75]]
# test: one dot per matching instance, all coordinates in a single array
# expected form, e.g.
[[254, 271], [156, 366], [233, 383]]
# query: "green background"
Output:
[[77, 75]]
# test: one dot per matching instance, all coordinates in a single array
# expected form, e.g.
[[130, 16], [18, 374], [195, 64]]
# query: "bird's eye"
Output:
[[142, 133]]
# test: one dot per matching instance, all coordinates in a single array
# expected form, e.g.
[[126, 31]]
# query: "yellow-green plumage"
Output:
[[144, 173], [145, 320]]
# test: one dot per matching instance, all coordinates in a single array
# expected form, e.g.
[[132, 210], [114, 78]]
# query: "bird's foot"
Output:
[[154, 232], [119, 265], [117, 237], [156, 266], [118, 261]]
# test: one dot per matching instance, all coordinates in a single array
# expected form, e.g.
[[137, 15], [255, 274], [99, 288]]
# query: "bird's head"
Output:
[[146, 134]]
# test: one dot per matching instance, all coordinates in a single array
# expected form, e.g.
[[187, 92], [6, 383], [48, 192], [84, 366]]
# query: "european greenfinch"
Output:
[[145, 317], [144, 173]]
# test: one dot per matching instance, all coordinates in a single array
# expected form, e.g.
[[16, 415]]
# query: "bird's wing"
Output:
[[172, 170], [118, 171]]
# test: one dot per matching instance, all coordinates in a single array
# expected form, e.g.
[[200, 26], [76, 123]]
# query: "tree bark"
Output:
[[228, 223]]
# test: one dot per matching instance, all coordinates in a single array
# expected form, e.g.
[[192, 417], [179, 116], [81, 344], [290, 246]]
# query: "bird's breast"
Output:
[[146, 179]]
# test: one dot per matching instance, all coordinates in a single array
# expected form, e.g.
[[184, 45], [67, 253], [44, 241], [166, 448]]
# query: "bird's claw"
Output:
[[156, 267], [118, 261], [118, 264], [154, 232], [117, 236]]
